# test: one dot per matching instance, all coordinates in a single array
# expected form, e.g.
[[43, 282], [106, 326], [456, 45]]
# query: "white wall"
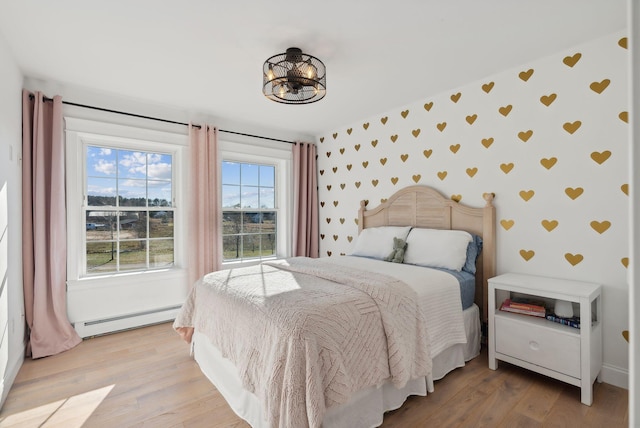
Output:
[[12, 323], [471, 140]]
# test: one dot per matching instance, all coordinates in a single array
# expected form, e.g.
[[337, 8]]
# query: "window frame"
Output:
[[80, 134], [278, 155]]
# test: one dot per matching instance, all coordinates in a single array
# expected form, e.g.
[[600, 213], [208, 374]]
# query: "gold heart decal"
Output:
[[365, 164], [329, 253], [455, 97], [357, 147], [487, 142], [600, 227], [599, 87], [505, 110], [441, 126], [456, 198], [572, 60], [384, 120], [328, 154], [394, 180], [335, 203], [487, 87], [624, 116], [623, 42], [404, 114], [322, 172], [416, 178], [524, 136], [527, 194], [574, 259], [335, 237], [527, 254], [322, 204], [601, 157], [625, 189], [357, 184], [349, 131], [507, 224], [427, 153], [394, 138], [548, 99], [572, 127], [442, 175], [471, 119], [374, 143], [574, 193], [526, 75], [349, 167], [549, 224], [335, 168], [404, 157], [335, 135], [454, 148], [342, 151], [548, 163], [506, 167], [383, 200], [322, 139], [416, 132], [328, 220], [383, 161], [349, 238], [428, 106], [342, 186], [365, 126], [625, 261], [341, 220], [374, 182], [472, 171]]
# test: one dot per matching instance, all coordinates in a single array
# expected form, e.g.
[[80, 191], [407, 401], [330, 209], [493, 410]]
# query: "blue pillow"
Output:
[[473, 251]]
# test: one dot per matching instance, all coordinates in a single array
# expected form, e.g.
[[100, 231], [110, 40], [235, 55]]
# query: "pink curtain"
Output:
[[205, 246], [305, 200], [44, 232]]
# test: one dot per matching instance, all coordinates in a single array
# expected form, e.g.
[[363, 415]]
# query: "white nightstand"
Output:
[[569, 354]]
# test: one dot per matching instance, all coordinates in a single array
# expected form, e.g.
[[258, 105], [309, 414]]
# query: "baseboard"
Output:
[[10, 376], [126, 322], [615, 376]]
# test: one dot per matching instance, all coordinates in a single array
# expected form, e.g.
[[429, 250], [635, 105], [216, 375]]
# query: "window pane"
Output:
[[161, 224], [249, 174], [132, 164], [249, 197], [268, 221], [230, 173], [230, 196], [268, 245], [231, 247], [133, 255], [159, 193], [250, 246], [251, 222], [133, 225], [161, 253], [267, 197], [101, 162], [101, 257], [132, 193], [159, 167], [101, 225], [231, 222], [267, 174], [101, 191]]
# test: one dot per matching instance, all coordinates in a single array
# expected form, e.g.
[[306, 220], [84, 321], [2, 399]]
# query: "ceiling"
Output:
[[206, 56]]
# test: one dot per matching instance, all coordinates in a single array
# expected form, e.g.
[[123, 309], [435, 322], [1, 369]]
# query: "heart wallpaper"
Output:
[[549, 138]]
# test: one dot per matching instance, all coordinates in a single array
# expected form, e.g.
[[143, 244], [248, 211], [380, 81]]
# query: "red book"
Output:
[[523, 308]]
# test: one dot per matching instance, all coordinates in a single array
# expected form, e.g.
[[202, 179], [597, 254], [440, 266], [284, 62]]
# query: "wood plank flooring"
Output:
[[146, 378]]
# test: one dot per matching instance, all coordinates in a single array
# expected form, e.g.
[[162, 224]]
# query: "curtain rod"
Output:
[[31, 96]]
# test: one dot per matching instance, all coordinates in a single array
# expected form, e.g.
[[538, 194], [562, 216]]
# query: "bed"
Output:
[[381, 336]]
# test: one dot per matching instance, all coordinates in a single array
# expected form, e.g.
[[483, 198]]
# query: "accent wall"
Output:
[[549, 138]]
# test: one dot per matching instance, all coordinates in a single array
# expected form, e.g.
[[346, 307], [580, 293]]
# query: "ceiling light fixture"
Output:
[[294, 77]]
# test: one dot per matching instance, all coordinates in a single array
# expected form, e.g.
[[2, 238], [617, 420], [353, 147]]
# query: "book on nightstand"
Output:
[[524, 307], [571, 322]]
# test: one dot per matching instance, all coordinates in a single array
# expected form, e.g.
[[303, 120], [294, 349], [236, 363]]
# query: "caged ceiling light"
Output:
[[294, 77]]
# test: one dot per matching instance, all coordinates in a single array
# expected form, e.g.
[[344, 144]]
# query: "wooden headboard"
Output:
[[422, 206]]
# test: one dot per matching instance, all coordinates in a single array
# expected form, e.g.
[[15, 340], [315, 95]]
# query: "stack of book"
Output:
[[571, 322], [526, 307]]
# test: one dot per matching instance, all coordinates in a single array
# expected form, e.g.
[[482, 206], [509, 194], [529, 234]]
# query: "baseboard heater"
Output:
[[125, 322]]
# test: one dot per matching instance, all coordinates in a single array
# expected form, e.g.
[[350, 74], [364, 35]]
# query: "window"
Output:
[[249, 214], [129, 211]]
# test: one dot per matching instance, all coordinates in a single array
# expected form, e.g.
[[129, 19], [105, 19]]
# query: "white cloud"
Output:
[[105, 167]]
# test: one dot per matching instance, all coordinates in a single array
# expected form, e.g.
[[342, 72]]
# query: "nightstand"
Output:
[[559, 351]]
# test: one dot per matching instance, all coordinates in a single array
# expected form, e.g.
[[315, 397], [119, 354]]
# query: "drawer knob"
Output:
[[534, 345]]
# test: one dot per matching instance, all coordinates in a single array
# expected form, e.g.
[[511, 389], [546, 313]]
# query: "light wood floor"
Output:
[[145, 378]]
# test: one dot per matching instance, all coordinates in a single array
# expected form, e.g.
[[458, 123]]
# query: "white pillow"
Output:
[[377, 242], [437, 248]]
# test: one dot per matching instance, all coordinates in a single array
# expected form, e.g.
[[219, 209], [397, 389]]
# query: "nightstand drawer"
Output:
[[538, 345]]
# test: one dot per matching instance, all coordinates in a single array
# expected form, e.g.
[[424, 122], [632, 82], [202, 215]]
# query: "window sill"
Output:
[[100, 281]]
